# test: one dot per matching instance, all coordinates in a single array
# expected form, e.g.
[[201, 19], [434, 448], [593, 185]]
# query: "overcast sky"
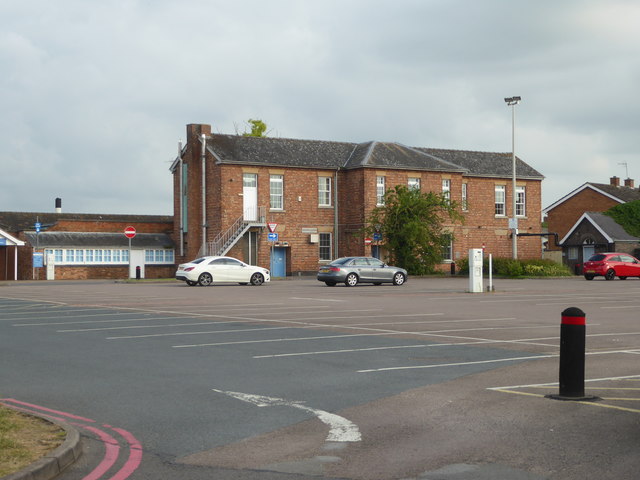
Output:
[[94, 96]]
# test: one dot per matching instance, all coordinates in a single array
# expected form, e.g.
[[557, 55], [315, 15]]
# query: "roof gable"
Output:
[[617, 194], [611, 230]]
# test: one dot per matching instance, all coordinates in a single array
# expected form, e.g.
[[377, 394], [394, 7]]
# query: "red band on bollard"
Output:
[[573, 320]]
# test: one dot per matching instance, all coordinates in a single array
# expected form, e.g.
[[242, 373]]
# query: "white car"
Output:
[[208, 270]]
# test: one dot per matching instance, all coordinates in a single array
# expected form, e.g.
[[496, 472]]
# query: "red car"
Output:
[[610, 265]]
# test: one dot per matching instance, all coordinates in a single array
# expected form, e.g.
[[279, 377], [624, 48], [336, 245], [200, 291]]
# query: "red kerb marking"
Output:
[[44, 409]]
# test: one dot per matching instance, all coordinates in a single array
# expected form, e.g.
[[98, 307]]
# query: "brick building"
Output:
[[595, 232], [84, 246], [563, 215], [229, 189]]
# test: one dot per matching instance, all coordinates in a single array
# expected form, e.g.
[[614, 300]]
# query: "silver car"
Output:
[[354, 270]]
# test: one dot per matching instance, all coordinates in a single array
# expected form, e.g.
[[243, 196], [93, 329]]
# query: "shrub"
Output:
[[508, 267]]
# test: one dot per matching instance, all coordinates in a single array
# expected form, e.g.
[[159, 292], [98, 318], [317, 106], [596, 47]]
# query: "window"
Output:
[[59, 256], [447, 249], [107, 256], [277, 192], [520, 202], [69, 257], [324, 191], [446, 189], [572, 253], [499, 200], [413, 183], [380, 191], [465, 203], [98, 256], [89, 256], [324, 248]]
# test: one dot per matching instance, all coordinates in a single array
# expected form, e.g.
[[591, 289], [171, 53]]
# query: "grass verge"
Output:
[[24, 439]]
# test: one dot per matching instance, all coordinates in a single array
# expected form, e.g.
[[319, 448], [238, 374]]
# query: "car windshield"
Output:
[[597, 257]]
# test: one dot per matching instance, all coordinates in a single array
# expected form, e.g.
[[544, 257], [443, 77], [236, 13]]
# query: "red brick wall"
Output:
[[357, 196], [561, 218]]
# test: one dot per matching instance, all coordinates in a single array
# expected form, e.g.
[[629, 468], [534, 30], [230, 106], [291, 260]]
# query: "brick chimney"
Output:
[[628, 182], [615, 181], [195, 130]]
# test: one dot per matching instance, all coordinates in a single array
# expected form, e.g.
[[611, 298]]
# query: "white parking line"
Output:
[[438, 365]]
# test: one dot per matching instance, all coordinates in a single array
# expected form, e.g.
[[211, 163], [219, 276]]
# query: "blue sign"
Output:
[[38, 227], [272, 237], [38, 260], [377, 236], [3, 241]]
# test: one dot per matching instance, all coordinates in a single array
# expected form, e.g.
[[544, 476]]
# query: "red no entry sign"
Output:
[[130, 232]]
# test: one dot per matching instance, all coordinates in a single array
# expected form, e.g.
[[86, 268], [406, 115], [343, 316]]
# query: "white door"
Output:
[[250, 197], [587, 252], [136, 259]]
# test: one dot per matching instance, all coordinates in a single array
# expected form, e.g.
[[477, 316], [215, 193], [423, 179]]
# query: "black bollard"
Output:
[[138, 273], [572, 356]]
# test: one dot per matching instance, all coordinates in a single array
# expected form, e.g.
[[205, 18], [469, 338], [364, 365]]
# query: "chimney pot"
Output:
[[628, 182], [58, 205], [615, 181]]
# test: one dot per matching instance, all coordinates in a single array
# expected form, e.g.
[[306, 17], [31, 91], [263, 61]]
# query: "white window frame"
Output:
[[324, 246], [447, 251], [465, 200], [413, 183], [324, 191], [446, 189], [276, 192], [521, 201], [380, 190], [500, 201]]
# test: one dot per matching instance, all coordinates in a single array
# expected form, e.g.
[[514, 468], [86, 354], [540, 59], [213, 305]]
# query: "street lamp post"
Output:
[[512, 102]]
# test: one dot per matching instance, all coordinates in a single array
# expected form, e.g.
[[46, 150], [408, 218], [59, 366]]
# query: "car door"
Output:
[[628, 267], [217, 269], [236, 271], [361, 267], [379, 271]]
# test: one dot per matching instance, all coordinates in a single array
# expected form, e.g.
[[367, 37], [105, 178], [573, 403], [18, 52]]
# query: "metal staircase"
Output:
[[224, 241]]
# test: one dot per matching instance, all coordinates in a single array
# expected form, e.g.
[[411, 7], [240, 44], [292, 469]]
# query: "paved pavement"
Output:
[[297, 380]]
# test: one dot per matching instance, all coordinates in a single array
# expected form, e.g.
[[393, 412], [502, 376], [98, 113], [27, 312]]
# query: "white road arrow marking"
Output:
[[340, 429]]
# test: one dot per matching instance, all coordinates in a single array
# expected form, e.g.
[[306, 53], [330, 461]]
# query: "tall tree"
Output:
[[412, 227]]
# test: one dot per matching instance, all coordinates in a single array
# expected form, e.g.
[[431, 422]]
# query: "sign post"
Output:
[[130, 232]]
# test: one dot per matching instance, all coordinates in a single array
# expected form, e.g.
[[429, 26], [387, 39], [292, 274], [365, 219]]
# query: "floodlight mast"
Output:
[[512, 102]]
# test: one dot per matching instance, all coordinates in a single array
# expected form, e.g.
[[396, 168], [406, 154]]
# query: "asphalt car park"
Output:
[[301, 381]]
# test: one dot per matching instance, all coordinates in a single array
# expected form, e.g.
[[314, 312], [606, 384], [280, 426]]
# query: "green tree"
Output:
[[411, 224], [258, 128], [627, 215]]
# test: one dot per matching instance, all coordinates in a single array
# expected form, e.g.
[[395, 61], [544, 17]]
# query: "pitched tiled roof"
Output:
[[98, 240], [619, 194], [19, 221], [607, 226], [486, 164], [333, 155], [626, 194]]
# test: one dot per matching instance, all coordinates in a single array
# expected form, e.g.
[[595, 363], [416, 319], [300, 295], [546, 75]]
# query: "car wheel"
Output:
[[205, 279], [257, 279], [610, 275], [351, 280], [191, 283], [330, 284], [589, 277], [622, 278], [398, 278]]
